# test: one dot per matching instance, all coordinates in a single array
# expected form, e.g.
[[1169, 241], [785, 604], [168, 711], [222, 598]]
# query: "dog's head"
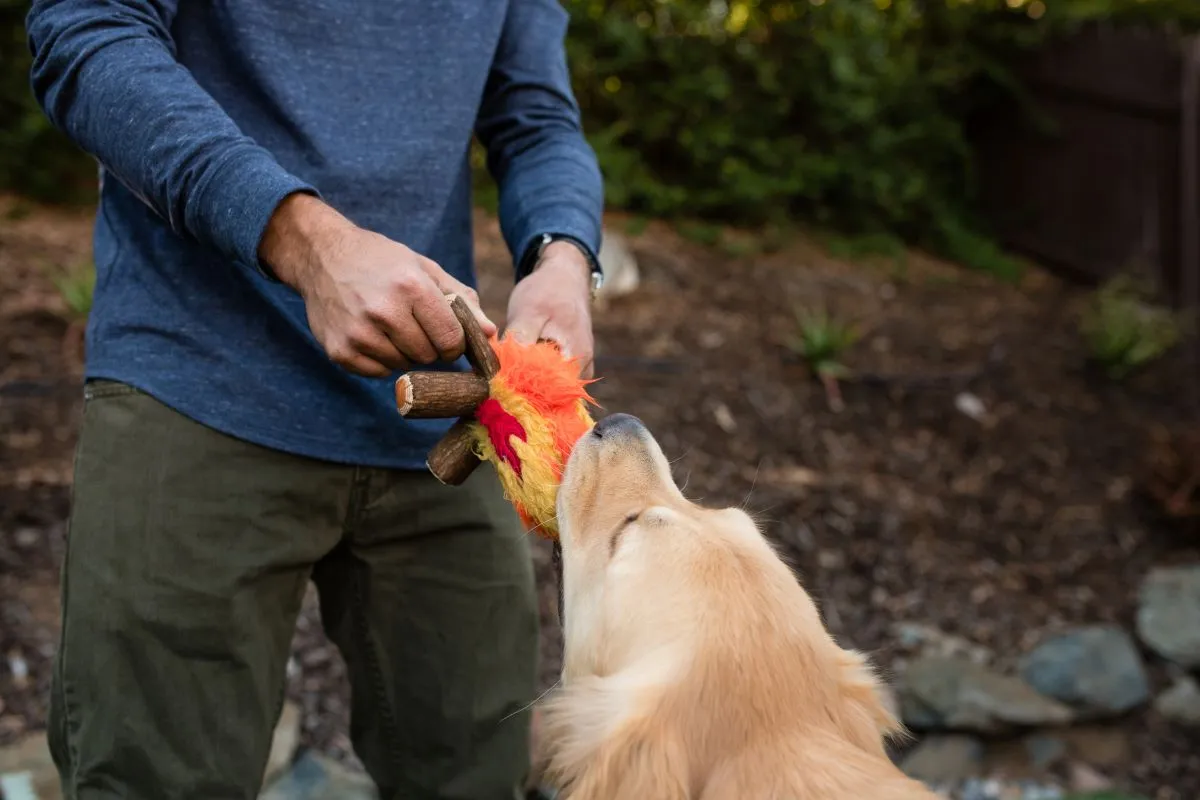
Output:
[[618, 493], [618, 481], [622, 521], [615, 472]]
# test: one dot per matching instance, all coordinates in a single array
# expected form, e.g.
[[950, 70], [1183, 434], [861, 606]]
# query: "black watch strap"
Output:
[[534, 252]]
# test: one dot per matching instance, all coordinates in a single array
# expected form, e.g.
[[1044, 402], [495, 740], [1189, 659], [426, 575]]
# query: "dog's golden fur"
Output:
[[696, 667]]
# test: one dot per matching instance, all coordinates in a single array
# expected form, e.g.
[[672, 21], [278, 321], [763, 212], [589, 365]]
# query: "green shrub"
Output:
[[846, 113], [1124, 331], [35, 159], [849, 113]]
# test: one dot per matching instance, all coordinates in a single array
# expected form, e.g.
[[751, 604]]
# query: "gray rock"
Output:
[[955, 694], [1085, 779], [1045, 751], [1168, 618], [1105, 747], [980, 789], [993, 789], [315, 777], [622, 275], [1038, 791], [939, 760], [27, 764], [284, 742], [1180, 703], [916, 714], [927, 640], [1096, 670], [17, 786]]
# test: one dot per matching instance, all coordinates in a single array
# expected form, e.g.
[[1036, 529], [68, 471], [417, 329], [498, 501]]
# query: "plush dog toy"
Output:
[[522, 408]]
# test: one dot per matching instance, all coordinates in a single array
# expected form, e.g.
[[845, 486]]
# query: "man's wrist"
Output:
[[565, 252], [572, 271], [297, 233]]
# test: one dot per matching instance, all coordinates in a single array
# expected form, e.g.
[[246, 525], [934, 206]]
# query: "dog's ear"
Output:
[[641, 764]]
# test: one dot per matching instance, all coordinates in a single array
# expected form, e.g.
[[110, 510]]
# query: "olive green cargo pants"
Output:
[[188, 555]]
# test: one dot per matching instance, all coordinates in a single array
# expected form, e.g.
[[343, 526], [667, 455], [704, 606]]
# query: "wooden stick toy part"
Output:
[[438, 395]]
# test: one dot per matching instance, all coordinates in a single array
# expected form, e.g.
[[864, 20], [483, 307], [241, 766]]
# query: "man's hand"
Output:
[[554, 302], [373, 304]]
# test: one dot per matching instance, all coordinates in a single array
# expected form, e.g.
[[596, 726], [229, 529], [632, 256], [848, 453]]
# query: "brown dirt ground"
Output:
[[898, 508]]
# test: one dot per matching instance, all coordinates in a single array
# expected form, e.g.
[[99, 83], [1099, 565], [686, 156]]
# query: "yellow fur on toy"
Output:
[[536, 412]]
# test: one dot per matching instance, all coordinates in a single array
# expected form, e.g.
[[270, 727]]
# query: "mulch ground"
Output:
[[998, 526]]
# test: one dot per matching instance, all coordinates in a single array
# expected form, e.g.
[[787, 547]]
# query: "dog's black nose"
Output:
[[615, 425]]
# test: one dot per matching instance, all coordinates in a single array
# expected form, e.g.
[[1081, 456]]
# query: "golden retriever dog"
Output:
[[696, 667]]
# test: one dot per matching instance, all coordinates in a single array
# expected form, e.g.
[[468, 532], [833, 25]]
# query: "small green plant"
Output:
[[977, 251], [636, 225], [701, 233], [741, 246], [776, 236], [18, 210], [858, 248], [821, 340], [76, 285], [1124, 331]]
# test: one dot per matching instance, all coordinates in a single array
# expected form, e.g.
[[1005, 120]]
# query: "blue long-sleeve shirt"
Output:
[[204, 116]]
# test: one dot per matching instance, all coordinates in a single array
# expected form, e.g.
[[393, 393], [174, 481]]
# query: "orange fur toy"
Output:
[[535, 413], [522, 409]]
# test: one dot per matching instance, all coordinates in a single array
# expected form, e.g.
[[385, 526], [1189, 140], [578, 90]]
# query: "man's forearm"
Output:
[[547, 173], [105, 73], [552, 188], [299, 232]]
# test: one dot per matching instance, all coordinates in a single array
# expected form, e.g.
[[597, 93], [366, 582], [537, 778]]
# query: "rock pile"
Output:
[[1029, 735]]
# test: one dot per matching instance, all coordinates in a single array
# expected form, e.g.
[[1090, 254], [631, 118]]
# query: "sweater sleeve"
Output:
[[105, 73], [529, 123]]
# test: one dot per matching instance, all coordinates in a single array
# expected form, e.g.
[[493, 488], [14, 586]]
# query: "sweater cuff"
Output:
[[525, 234], [239, 201]]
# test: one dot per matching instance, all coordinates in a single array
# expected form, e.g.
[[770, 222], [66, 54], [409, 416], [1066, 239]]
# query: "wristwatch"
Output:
[[534, 253]]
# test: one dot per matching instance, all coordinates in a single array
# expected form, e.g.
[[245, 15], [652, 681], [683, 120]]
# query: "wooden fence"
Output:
[[1114, 184]]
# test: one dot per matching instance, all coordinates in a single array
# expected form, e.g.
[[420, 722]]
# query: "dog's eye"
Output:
[[632, 517]]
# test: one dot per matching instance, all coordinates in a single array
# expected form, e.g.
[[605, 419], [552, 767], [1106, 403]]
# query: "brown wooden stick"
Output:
[[479, 349], [453, 459], [438, 395], [430, 395]]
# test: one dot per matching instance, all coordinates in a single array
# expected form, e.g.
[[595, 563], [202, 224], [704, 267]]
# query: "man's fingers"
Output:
[[528, 330], [362, 365], [371, 340], [472, 297], [586, 363], [576, 347], [365, 350], [411, 338], [450, 285], [437, 320]]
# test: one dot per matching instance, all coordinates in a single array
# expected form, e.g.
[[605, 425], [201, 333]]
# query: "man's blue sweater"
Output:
[[205, 115]]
